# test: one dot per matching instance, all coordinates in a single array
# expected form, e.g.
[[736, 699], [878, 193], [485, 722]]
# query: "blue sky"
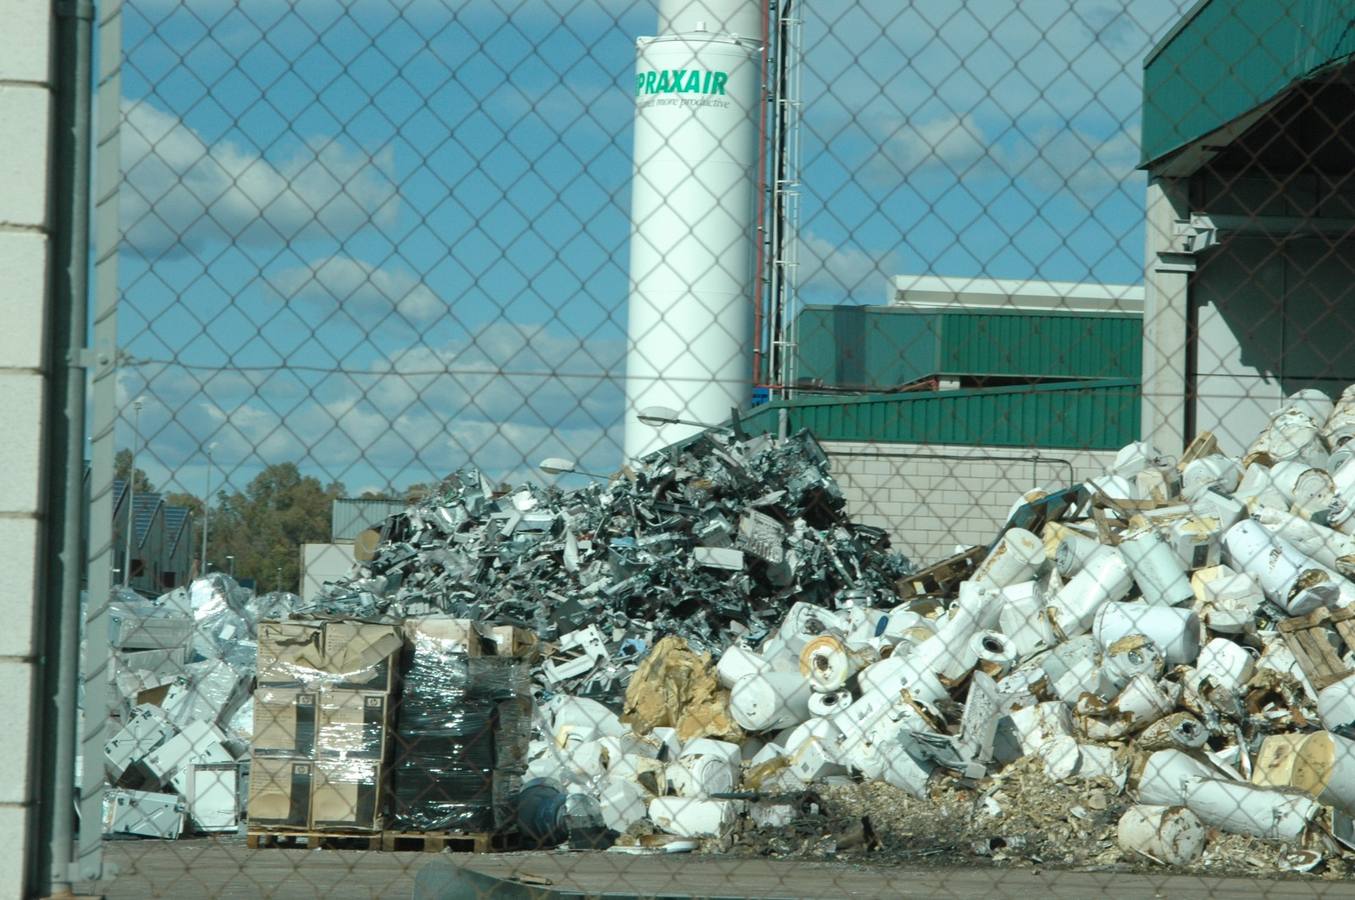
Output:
[[388, 239]]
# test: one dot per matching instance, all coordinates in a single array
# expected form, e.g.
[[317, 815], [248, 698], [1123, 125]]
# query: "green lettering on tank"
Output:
[[681, 81]]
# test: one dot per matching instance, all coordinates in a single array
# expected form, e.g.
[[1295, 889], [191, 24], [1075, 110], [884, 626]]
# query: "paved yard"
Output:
[[225, 868]]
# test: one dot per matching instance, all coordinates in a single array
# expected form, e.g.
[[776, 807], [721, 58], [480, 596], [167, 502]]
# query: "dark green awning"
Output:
[[1227, 61]]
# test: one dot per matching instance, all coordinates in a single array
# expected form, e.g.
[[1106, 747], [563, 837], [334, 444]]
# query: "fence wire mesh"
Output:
[[816, 450]]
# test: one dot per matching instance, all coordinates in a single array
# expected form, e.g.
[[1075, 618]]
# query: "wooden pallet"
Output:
[[312, 840], [422, 841], [1308, 639], [1204, 444], [453, 841], [941, 578]]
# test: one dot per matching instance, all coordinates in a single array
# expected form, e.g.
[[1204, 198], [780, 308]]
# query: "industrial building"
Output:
[[162, 540], [348, 517], [1250, 216], [940, 407]]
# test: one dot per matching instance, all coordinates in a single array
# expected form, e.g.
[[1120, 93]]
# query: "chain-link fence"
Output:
[[766, 449]]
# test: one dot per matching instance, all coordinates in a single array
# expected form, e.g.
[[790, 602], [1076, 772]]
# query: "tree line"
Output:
[[264, 525]]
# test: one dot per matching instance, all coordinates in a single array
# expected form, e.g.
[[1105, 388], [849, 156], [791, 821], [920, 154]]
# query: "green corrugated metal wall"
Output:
[[1089, 415], [1228, 57], [857, 346], [1046, 345]]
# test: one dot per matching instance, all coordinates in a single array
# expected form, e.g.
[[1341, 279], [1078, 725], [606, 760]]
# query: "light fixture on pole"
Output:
[[662, 415], [556, 465]]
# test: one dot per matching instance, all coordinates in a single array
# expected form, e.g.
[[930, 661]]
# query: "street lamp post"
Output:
[[206, 511], [131, 494], [206, 508]]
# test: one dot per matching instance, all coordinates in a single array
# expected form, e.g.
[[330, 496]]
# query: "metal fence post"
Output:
[[107, 236]]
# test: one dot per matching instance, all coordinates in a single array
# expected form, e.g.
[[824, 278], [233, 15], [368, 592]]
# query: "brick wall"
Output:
[[25, 135], [930, 504]]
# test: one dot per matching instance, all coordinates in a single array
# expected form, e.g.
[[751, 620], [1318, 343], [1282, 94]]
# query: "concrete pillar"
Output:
[[1165, 279], [26, 135]]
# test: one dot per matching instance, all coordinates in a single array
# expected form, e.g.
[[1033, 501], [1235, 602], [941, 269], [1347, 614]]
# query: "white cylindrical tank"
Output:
[[722, 16], [693, 218]]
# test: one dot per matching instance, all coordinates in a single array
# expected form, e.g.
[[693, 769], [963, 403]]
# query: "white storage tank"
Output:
[[694, 203]]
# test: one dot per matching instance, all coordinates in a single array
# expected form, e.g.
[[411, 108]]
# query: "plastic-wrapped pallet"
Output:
[[322, 723], [464, 724]]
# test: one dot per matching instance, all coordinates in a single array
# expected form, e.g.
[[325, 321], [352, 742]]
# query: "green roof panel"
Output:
[[1087, 415], [1226, 58], [879, 347]]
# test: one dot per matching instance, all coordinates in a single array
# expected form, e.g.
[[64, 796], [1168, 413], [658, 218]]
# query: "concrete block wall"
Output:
[[25, 134], [931, 498]]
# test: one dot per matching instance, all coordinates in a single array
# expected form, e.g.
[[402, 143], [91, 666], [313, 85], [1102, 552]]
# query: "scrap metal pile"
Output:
[[182, 670], [1169, 648], [712, 540], [1175, 638]]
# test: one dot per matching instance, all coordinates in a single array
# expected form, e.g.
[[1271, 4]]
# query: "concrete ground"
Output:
[[226, 869]]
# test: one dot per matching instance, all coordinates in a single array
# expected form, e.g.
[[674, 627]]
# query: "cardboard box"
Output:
[[143, 813], [456, 634], [346, 794], [343, 653], [213, 796], [280, 792], [510, 640], [146, 729], [198, 742], [289, 650], [475, 639], [284, 722], [353, 724]]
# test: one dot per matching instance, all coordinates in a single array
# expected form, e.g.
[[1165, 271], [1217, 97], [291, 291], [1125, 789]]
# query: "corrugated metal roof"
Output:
[[176, 517], [351, 515], [886, 346], [144, 507], [1088, 415], [1227, 58], [964, 292]]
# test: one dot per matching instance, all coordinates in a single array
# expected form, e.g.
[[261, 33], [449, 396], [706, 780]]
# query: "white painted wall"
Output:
[[25, 135], [930, 505], [321, 563]]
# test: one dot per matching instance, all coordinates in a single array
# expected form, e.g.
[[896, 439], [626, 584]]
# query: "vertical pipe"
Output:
[[59, 593], [103, 412], [774, 272], [760, 265]]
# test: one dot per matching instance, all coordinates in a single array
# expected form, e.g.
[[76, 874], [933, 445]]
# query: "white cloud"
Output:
[[367, 293], [1048, 158], [955, 142], [180, 193], [841, 268], [501, 398], [1073, 160]]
